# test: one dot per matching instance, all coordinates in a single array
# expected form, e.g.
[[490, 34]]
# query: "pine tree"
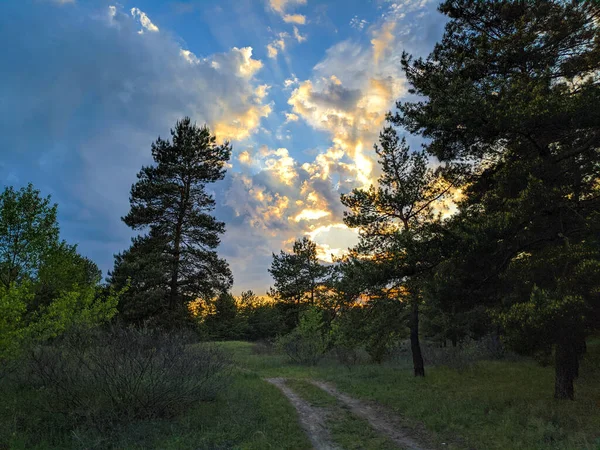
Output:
[[171, 202], [398, 223], [513, 89], [299, 278]]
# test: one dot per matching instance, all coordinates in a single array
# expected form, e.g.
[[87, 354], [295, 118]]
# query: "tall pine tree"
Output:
[[398, 223], [176, 261], [513, 89]]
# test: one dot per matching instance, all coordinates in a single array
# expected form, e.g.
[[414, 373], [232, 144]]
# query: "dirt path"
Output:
[[311, 418], [378, 418]]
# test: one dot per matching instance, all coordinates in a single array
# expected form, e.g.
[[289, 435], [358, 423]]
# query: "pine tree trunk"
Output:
[[175, 274], [415, 345], [567, 366]]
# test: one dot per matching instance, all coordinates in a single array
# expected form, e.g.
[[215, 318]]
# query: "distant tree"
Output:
[[171, 203], [512, 89], [222, 323], [299, 277], [398, 223]]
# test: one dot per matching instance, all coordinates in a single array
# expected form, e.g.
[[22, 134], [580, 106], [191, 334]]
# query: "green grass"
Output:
[[347, 430], [492, 405], [249, 415]]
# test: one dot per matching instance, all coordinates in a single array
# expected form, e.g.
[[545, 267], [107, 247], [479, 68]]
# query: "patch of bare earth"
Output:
[[312, 419], [379, 418]]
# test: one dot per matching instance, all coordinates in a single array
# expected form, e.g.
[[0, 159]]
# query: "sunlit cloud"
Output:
[[298, 19], [281, 6], [311, 214], [278, 44]]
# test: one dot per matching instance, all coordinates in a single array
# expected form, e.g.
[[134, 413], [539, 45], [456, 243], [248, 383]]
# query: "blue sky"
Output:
[[299, 87]]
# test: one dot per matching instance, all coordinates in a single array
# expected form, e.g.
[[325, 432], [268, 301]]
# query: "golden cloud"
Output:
[[281, 5], [298, 19]]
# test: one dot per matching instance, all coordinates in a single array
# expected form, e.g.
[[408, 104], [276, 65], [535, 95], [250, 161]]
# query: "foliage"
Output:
[[400, 227], [308, 342], [300, 279], [509, 90], [28, 230], [170, 201], [106, 378], [52, 287]]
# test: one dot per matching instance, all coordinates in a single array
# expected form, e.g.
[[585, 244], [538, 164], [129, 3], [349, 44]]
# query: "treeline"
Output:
[[507, 106]]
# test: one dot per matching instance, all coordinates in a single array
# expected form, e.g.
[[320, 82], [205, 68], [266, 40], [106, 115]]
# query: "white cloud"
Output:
[[298, 36], [144, 20], [288, 83], [357, 23]]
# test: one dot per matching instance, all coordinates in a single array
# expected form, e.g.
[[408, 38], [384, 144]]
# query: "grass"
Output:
[[249, 415], [492, 405]]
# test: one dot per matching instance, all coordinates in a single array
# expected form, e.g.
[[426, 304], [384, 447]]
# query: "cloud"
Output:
[[357, 23], [277, 44], [311, 214], [382, 40], [298, 19], [298, 36], [281, 6], [288, 83], [144, 20], [106, 94]]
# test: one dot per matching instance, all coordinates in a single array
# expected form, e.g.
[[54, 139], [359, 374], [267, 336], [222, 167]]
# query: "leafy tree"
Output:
[[308, 342], [28, 230], [47, 287], [300, 279], [512, 89], [171, 202], [398, 224]]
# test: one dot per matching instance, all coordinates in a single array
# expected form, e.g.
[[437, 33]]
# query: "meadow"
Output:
[[482, 405]]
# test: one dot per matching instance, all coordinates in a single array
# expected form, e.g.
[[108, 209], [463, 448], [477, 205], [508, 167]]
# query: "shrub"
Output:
[[119, 376], [307, 343], [347, 336]]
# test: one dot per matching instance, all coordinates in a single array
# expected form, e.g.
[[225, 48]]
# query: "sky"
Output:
[[299, 87]]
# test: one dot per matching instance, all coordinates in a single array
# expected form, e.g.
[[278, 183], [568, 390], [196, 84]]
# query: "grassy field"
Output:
[[489, 405]]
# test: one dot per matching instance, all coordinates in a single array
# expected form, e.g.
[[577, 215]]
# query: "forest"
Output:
[[470, 307]]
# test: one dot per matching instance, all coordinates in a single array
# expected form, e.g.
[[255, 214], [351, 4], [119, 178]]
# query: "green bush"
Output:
[[99, 379], [308, 342]]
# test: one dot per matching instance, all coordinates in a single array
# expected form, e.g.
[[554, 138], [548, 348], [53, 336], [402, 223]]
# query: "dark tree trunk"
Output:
[[173, 297], [567, 367], [415, 345]]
